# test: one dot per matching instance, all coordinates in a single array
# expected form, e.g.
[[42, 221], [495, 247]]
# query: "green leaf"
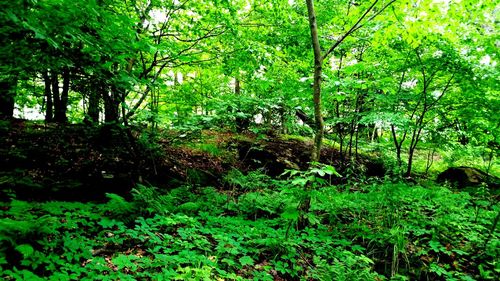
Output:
[[319, 172], [25, 249], [124, 261], [436, 246], [107, 223], [246, 260], [330, 170], [300, 181], [230, 262], [291, 214]]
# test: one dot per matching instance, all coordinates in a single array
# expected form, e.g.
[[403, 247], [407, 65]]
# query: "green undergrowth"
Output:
[[380, 231]]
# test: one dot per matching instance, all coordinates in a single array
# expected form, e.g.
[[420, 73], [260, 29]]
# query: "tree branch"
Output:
[[343, 37]]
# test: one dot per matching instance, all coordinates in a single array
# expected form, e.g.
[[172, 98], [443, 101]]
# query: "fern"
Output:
[[19, 236], [15, 230], [25, 226], [118, 205], [148, 199], [254, 180], [20, 209], [119, 208]]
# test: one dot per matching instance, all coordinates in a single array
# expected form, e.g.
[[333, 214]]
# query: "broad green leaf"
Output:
[[25, 249], [246, 260]]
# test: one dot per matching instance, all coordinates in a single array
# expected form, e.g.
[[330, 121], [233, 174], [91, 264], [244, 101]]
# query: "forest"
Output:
[[249, 140]]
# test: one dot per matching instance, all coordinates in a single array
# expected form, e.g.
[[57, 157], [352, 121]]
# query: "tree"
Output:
[[320, 58], [14, 52], [429, 73], [425, 73]]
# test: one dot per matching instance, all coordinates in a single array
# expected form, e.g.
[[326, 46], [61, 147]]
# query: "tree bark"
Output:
[[55, 93], [62, 104], [318, 62], [397, 145], [111, 105], [7, 97], [93, 109], [49, 106], [237, 86]]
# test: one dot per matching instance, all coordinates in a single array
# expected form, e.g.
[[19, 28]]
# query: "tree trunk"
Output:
[[430, 160], [111, 105], [123, 95], [237, 86], [55, 93], [410, 162], [397, 145], [375, 135], [49, 106], [62, 104], [93, 110], [7, 97], [318, 61], [413, 144], [65, 94]]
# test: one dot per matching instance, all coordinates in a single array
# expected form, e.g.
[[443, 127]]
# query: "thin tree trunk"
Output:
[[397, 145], [341, 150], [318, 62], [55, 94], [410, 163], [356, 142], [49, 106], [122, 95], [351, 136], [413, 144], [93, 109], [430, 160], [110, 105], [237, 86], [374, 132], [7, 97], [62, 105]]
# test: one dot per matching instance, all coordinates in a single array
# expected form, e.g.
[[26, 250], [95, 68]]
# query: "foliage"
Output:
[[412, 73], [413, 83], [383, 230]]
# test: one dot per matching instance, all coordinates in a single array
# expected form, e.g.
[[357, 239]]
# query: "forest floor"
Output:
[[77, 162], [108, 203]]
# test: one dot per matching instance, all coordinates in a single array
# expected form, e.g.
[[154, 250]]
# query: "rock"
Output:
[[273, 156], [375, 168], [276, 155], [468, 176]]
